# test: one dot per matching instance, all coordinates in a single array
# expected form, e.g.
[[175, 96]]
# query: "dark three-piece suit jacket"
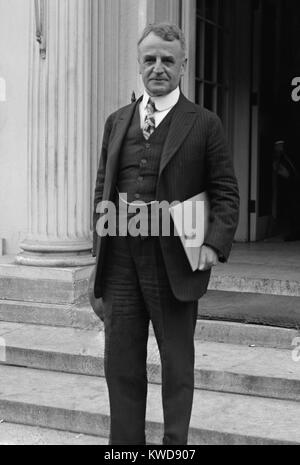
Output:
[[194, 159]]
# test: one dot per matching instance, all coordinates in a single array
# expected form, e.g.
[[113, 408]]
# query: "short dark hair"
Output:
[[167, 31]]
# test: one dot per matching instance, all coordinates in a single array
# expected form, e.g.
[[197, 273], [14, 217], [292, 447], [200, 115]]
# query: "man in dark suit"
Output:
[[161, 148]]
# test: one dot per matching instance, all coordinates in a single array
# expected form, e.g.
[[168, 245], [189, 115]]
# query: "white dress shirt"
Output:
[[163, 105]]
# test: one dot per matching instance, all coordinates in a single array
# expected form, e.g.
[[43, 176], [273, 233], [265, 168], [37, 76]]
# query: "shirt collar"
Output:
[[164, 102]]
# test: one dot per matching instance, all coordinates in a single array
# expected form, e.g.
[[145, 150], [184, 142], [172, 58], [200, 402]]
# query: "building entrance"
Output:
[[275, 117]]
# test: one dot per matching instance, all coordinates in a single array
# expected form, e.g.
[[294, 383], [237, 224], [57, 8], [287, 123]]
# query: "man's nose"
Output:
[[158, 68]]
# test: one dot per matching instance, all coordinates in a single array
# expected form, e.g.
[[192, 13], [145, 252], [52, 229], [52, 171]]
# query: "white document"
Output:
[[191, 219]]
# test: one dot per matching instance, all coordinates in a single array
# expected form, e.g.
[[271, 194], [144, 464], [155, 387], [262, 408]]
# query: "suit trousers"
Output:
[[137, 291]]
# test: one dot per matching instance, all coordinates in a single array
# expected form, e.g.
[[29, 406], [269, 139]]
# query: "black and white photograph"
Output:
[[150, 225]]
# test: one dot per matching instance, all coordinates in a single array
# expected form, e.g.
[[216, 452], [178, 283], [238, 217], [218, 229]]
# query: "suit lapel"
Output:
[[182, 122], [120, 129]]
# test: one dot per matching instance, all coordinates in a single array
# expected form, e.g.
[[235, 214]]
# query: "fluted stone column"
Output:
[[59, 138], [87, 70]]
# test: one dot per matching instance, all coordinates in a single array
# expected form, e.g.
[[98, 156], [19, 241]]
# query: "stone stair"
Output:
[[247, 386], [52, 377], [12, 434]]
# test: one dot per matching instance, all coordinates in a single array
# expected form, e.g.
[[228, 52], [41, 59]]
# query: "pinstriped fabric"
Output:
[[195, 158]]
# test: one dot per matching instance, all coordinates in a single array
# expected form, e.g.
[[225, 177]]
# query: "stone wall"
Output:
[[14, 41]]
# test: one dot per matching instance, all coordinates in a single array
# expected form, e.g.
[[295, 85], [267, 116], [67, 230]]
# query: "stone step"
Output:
[[79, 404], [274, 310], [52, 285], [218, 366], [24, 435], [230, 332], [74, 316], [257, 291], [247, 307], [257, 278]]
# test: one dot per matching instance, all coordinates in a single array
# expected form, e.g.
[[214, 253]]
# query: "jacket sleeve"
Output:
[[100, 179], [223, 191]]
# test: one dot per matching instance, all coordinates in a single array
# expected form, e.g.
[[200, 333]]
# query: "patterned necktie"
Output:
[[149, 123]]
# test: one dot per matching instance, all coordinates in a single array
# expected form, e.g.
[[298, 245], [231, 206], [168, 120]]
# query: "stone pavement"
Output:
[[23, 435]]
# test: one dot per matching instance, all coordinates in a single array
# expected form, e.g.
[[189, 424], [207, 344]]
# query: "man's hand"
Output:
[[208, 258]]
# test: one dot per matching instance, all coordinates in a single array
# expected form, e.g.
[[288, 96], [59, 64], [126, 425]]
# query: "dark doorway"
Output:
[[278, 117], [287, 126]]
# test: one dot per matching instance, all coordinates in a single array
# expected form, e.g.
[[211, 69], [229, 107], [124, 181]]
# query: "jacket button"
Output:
[[137, 196], [140, 178], [144, 161]]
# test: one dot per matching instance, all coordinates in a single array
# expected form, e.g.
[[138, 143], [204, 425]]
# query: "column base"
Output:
[[46, 296], [54, 260], [56, 254]]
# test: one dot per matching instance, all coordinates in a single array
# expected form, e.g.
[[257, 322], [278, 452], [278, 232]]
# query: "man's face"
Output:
[[162, 63]]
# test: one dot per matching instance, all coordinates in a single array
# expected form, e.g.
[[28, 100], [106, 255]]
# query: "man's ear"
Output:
[[140, 67], [183, 67]]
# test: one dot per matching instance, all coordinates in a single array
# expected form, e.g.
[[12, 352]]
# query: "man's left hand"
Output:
[[208, 258]]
